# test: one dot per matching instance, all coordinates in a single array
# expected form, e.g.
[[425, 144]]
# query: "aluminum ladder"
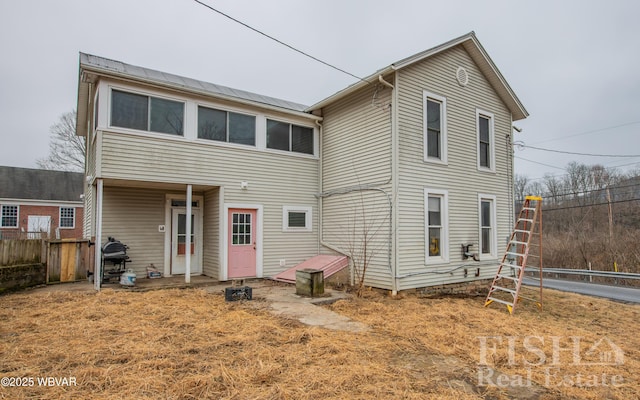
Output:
[[507, 284]]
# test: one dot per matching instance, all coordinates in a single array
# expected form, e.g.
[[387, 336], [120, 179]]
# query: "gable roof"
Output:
[[40, 184], [477, 53], [95, 65]]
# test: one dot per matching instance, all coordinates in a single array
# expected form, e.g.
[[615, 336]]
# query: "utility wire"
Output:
[[579, 154], [280, 41], [589, 132], [615, 189], [588, 205], [537, 162]]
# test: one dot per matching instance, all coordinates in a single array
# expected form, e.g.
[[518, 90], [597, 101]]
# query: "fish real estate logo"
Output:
[[553, 360]]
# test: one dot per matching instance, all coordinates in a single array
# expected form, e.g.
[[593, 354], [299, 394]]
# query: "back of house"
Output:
[[398, 171]]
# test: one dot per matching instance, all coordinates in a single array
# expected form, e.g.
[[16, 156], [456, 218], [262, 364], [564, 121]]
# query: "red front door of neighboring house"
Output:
[[242, 243]]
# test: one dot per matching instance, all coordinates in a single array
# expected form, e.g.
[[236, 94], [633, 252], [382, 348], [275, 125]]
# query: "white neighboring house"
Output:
[[419, 153]]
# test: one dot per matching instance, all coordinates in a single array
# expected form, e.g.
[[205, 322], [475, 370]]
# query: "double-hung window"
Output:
[[487, 223], [9, 217], [289, 137], [435, 127], [226, 126], [146, 113], [436, 226], [67, 217], [486, 142], [296, 219]]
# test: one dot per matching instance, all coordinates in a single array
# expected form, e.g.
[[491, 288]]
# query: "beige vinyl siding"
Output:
[[357, 151], [460, 177], [275, 180], [132, 216], [211, 233], [88, 222]]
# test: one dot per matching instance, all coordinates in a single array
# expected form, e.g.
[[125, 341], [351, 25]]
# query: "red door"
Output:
[[242, 243]]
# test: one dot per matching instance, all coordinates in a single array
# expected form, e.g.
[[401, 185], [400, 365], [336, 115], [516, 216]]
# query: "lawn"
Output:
[[189, 344]]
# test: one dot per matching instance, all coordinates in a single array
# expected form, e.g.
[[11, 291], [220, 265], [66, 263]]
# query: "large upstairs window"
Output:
[[226, 126], [289, 137], [146, 113]]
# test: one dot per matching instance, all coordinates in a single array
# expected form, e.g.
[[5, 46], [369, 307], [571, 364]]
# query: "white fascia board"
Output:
[[154, 83]]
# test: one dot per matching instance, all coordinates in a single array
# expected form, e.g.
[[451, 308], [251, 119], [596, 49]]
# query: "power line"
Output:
[[589, 132], [280, 41], [589, 205], [580, 154], [537, 162], [615, 189]]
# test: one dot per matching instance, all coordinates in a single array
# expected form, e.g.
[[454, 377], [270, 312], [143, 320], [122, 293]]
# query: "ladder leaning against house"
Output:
[[524, 243]]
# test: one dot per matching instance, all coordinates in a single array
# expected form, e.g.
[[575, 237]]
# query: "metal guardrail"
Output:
[[586, 272]]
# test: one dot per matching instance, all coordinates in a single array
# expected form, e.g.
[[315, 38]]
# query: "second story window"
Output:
[[486, 157], [289, 137], [146, 113], [435, 128], [226, 126]]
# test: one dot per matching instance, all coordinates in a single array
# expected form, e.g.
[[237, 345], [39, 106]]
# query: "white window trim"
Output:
[[149, 94], [444, 245], [291, 152], [73, 226], [17, 216], [308, 219], [494, 228], [443, 118], [492, 141], [228, 110]]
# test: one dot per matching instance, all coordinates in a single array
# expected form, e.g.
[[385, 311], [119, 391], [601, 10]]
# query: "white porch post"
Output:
[[97, 270], [187, 254]]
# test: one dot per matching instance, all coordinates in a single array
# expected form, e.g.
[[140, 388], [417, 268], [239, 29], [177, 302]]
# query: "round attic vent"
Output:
[[462, 76]]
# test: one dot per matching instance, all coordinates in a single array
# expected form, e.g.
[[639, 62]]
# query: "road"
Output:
[[618, 293]]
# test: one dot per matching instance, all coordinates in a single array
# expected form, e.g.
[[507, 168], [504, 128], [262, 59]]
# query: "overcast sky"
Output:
[[575, 65]]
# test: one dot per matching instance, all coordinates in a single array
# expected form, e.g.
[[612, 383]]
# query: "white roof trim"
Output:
[[476, 51]]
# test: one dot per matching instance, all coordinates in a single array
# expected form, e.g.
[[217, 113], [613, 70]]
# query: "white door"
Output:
[[179, 240], [39, 226]]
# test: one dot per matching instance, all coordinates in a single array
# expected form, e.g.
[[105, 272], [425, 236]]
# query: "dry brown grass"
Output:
[[187, 344]]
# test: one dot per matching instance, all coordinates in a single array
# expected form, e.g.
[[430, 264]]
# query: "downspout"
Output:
[[320, 147], [393, 264]]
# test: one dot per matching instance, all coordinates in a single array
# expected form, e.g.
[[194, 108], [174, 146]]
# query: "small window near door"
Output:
[[296, 219], [183, 203]]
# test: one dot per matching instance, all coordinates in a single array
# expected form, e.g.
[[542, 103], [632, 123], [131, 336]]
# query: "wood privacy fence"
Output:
[[67, 260], [22, 251]]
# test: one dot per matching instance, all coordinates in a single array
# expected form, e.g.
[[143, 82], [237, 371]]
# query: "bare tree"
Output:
[[66, 149], [520, 186]]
